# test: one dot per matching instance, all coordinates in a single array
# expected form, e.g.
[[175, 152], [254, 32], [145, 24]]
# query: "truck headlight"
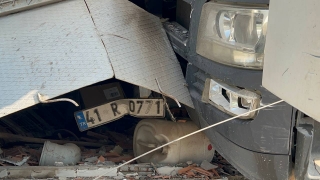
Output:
[[232, 100], [233, 35]]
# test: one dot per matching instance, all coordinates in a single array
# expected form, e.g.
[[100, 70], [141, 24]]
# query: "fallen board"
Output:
[[58, 48], [138, 47], [50, 50]]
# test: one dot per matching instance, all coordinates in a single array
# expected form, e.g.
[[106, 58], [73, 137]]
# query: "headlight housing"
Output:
[[233, 35]]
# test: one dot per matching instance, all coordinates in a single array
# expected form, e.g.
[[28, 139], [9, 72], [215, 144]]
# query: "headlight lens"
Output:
[[233, 35], [232, 100]]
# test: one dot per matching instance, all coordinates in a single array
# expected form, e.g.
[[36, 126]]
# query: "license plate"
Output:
[[97, 116]]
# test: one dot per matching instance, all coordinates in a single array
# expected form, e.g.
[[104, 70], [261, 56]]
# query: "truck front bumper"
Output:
[[258, 148]]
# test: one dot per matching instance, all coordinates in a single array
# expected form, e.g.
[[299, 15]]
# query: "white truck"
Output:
[[242, 55], [237, 55]]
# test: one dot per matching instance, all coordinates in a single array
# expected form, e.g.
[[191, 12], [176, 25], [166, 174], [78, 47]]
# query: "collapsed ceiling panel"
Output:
[[138, 47], [59, 48], [49, 50]]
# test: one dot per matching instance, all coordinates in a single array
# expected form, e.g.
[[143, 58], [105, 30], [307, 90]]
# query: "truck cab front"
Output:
[[224, 49]]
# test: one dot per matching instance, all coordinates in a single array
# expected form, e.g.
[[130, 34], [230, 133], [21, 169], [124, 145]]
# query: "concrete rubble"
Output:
[[30, 154], [23, 162], [17, 161], [207, 166], [102, 151]]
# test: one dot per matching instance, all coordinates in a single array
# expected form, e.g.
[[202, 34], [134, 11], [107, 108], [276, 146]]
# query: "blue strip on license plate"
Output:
[[82, 123]]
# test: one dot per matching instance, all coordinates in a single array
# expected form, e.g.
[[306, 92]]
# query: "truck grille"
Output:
[[200, 79]]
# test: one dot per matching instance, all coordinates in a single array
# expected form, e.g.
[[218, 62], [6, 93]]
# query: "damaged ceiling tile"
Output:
[[50, 50], [56, 49], [138, 47]]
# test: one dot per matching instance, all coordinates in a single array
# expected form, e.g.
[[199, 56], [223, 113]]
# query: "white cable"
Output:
[[168, 95], [168, 109], [56, 100], [195, 132]]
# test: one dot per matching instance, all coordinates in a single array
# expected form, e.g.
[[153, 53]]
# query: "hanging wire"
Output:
[[183, 137], [168, 95], [56, 100]]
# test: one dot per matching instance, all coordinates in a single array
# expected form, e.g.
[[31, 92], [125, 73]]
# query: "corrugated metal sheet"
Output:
[[51, 50], [138, 47], [14, 6], [58, 48]]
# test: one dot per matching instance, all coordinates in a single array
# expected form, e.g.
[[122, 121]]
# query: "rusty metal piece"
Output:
[[116, 137], [89, 153], [111, 154], [182, 121], [120, 158], [5, 164], [125, 145], [101, 159], [13, 151], [88, 139], [185, 170], [97, 135], [120, 139], [33, 163], [39, 140], [166, 177], [15, 160], [202, 171], [155, 168], [66, 130], [190, 174], [215, 173]]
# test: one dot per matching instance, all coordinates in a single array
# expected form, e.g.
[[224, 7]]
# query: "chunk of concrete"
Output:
[[117, 149], [3, 173], [207, 166], [167, 170], [91, 159]]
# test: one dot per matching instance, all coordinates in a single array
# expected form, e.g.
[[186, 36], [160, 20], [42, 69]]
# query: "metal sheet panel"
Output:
[[51, 50], [14, 6], [292, 54], [138, 47]]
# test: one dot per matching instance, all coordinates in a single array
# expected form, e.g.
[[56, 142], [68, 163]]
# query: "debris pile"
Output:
[[205, 170], [112, 149], [107, 157], [224, 167], [193, 171], [102, 156], [101, 150], [20, 156]]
